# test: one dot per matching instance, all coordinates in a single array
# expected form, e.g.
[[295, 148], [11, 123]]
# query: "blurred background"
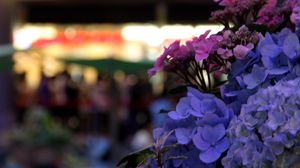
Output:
[[73, 82]]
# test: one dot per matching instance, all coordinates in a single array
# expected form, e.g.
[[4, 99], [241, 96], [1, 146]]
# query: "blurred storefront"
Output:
[[45, 48]]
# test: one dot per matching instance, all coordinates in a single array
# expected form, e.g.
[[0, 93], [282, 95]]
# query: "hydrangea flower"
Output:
[[274, 58], [270, 121], [211, 141], [257, 76], [208, 117]]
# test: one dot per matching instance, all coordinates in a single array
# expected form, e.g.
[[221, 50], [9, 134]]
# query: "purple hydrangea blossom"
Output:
[[257, 76], [269, 123], [211, 141], [210, 117], [275, 57]]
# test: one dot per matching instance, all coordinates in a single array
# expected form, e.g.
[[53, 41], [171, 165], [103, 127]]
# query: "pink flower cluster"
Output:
[[272, 15], [172, 57], [213, 54], [237, 12], [237, 44], [218, 51], [204, 46]]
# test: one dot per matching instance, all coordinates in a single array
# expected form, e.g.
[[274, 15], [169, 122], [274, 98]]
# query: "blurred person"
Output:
[[72, 106], [64, 99], [23, 99], [43, 93], [84, 105], [100, 106], [58, 96], [139, 115]]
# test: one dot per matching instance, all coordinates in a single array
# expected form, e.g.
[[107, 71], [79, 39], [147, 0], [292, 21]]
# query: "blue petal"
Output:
[[276, 146], [268, 62], [213, 134], [270, 51], [281, 36], [192, 92], [232, 94], [249, 121], [256, 77], [199, 143], [183, 106], [176, 116], [209, 156], [275, 119], [222, 145], [201, 106], [183, 135], [278, 71], [209, 119], [291, 46]]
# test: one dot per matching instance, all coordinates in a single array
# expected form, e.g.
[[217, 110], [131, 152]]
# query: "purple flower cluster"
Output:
[[276, 57], [208, 119], [268, 126]]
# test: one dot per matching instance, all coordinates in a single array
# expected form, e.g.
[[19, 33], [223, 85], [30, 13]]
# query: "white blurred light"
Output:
[[149, 34], [154, 36], [201, 29], [24, 37], [177, 32]]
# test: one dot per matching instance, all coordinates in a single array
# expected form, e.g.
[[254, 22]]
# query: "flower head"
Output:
[[269, 122], [175, 56], [208, 119], [211, 141], [203, 46]]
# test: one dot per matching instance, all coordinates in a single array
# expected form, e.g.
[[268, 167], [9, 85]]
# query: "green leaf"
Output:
[[137, 158]]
